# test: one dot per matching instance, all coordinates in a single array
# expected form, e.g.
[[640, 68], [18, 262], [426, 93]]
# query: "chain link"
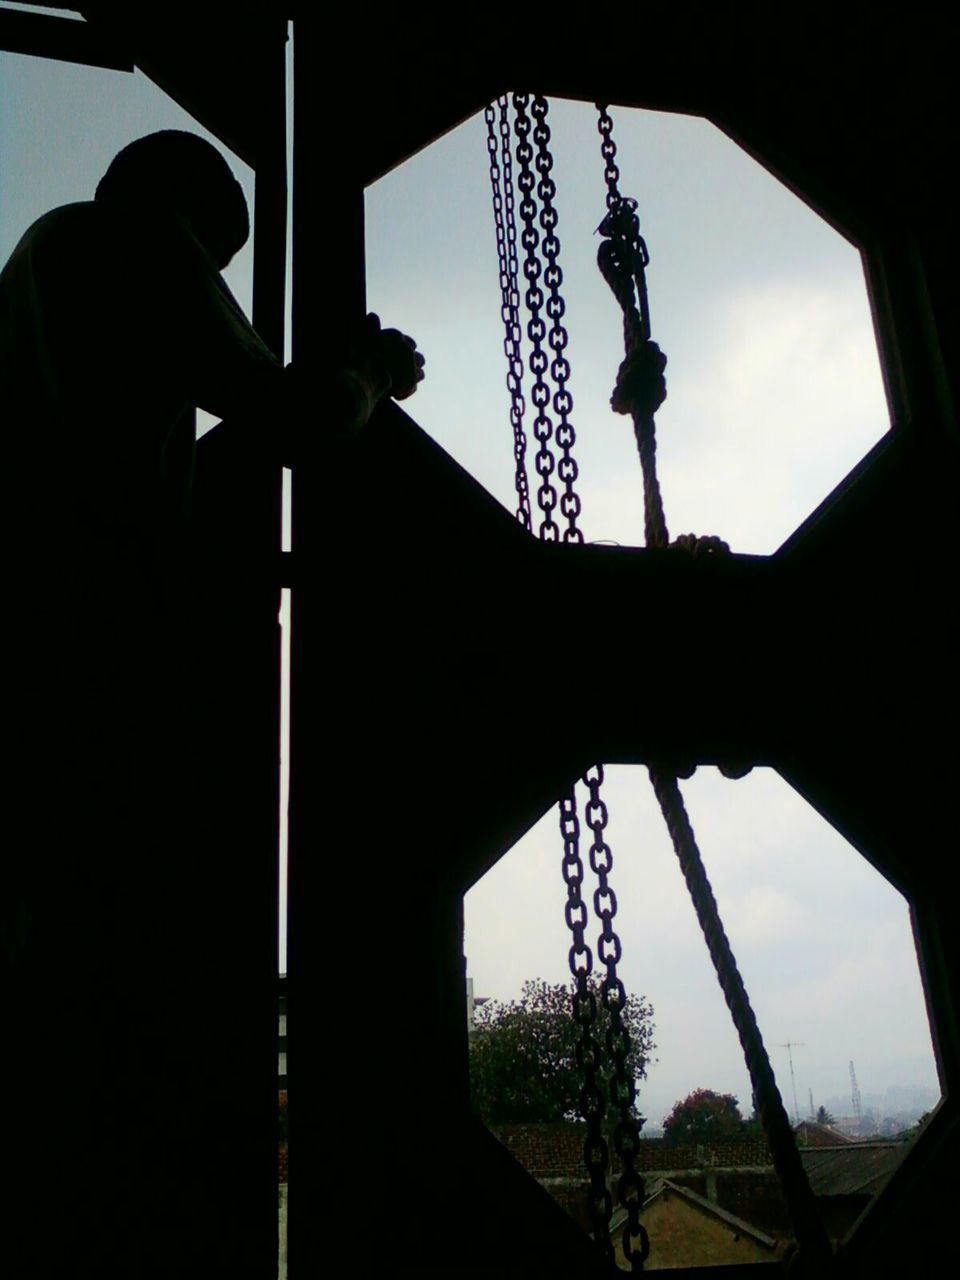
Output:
[[608, 149], [501, 183], [623, 1092], [567, 470], [549, 530], [622, 222], [592, 1102], [515, 354], [593, 1099]]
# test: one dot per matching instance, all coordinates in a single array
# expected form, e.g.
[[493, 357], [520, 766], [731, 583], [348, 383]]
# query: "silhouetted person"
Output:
[[114, 324]]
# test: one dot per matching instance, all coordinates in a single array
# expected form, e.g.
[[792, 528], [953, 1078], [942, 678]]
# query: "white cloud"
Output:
[[762, 914], [783, 398]]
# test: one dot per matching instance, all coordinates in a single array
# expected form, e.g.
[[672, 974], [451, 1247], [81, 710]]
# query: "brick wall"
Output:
[[556, 1151], [546, 1150], [655, 1153], [757, 1198], [553, 1154]]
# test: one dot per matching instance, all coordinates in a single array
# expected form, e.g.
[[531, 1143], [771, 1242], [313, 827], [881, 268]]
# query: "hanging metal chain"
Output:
[[536, 326], [617, 208], [593, 1105], [623, 265], [501, 183], [567, 470], [623, 1092], [515, 354], [592, 1102], [622, 1088]]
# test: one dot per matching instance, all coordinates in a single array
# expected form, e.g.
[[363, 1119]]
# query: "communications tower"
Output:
[[855, 1095]]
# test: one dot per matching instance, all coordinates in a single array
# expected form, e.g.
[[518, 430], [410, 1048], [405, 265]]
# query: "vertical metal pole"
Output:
[[241, 689], [329, 281], [270, 201], [328, 301], [269, 318]]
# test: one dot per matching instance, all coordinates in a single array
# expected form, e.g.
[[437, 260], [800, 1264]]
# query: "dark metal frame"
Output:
[[399, 686]]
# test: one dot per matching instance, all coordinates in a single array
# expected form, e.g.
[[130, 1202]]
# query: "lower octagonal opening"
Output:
[[826, 949]]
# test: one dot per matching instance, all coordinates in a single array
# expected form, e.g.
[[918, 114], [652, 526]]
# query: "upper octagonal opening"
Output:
[[774, 383]]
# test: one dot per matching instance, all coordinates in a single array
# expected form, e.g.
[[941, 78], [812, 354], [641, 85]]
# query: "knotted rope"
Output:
[[640, 391]]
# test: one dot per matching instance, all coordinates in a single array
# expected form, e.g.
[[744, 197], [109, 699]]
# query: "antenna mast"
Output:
[[855, 1095], [790, 1045]]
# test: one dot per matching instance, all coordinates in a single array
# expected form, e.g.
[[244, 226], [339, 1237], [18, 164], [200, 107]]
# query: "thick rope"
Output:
[[654, 517], [814, 1245], [640, 391]]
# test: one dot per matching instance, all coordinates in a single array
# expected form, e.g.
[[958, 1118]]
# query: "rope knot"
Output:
[[621, 222], [701, 547], [641, 387]]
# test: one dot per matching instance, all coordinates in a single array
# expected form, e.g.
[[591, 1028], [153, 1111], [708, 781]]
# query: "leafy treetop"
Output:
[[523, 1059], [703, 1117]]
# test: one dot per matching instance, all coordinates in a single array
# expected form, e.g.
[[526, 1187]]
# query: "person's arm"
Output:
[[299, 412], [234, 375], [376, 363]]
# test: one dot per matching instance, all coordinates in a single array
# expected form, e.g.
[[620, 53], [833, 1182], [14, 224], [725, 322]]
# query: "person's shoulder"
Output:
[[69, 229], [67, 220], [70, 263]]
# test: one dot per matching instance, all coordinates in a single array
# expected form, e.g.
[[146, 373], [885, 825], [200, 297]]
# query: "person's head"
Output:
[[182, 174]]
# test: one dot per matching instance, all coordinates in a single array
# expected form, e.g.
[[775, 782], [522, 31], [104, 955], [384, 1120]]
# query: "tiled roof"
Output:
[[809, 1133], [857, 1168], [705, 1206]]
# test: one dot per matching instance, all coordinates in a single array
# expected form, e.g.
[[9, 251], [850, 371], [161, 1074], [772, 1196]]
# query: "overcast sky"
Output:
[[774, 393]]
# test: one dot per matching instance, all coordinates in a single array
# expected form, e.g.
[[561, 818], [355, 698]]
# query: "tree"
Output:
[[869, 1123], [825, 1117], [704, 1117], [753, 1125], [523, 1053]]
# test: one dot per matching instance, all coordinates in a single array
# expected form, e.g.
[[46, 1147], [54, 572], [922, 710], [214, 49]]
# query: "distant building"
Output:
[[811, 1134], [845, 1179], [689, 1230], [714, 1205]]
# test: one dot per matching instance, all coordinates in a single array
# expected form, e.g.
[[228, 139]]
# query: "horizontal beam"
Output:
[[65, 39]]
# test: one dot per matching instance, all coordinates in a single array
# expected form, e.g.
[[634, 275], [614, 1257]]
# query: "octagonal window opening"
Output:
[[774, 383], [826, 950]]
